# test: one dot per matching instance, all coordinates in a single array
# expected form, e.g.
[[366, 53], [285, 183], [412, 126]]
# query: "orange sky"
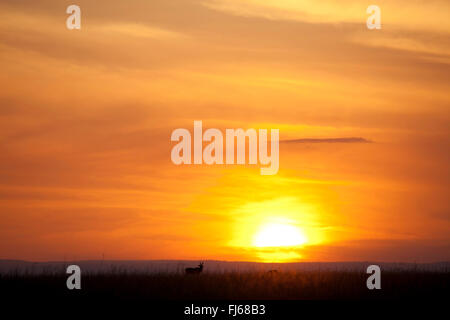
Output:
[[86, 118]]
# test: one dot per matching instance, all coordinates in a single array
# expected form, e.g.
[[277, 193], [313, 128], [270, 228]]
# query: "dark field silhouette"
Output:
[[290, 285]]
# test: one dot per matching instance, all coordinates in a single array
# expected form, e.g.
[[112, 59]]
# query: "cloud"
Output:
[[430, 15], [385, 250], [406, 25], [428, 45], [329, 140], [138, 30]]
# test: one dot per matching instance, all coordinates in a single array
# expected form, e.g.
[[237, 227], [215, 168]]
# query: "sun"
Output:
[[279, 235]]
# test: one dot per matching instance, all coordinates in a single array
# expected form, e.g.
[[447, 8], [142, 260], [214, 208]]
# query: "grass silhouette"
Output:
[[304, 285]]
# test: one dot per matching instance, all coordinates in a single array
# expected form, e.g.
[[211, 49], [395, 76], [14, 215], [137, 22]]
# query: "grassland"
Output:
[[304, 285]]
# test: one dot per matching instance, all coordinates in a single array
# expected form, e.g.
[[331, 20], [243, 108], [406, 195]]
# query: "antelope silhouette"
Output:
[[197, 270]]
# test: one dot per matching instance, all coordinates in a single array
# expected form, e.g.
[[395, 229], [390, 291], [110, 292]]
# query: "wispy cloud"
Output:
[[138, 30], [406, 25], [329, 140], [430, 15]]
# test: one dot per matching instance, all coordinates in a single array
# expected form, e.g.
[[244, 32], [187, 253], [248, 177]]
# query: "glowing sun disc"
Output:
[[279, 235]]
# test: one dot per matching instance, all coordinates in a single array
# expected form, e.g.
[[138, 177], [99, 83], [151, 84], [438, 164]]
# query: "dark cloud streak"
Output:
[[329, 140]]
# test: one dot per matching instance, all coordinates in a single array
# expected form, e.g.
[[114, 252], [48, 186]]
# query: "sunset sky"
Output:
[[86, 118]]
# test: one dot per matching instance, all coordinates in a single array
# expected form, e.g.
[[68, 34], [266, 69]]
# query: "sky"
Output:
[[86, 118]]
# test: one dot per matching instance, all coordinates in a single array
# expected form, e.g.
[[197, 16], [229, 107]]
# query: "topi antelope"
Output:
[[195, 270]]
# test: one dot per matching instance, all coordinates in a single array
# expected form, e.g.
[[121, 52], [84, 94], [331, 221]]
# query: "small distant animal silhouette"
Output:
[[197, 270]]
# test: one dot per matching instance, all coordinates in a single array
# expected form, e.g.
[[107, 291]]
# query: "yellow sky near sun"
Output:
[[86, 117]]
